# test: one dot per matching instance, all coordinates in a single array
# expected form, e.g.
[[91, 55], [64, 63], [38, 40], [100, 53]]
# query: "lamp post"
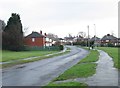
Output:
[[88, 38], [95, 43]]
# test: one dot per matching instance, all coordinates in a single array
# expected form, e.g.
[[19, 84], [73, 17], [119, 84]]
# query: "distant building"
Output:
[[61, 41], [35, 39], [96, 41], [38, 39], [118, 41], [78, 39], [108, 39], [69, 40], [48, 40]]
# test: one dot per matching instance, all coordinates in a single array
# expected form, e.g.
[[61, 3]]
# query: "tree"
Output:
[[2, 25], [13, 34], [52, 36], [82, 34]]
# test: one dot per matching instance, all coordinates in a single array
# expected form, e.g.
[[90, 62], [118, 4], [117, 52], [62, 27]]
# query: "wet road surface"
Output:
[[41, 72]]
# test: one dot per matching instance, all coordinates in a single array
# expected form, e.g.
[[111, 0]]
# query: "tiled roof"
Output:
[[108, 37], [93, 38], [35, 35], [69, 38]]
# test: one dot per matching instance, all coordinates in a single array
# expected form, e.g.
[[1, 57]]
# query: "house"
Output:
[[78, 39], [96, 40], [48, 40], [69, 40], [118, 41], [61, 41], [35, 39], [108, 39]]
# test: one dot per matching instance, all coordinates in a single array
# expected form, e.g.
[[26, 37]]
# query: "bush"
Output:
[[37, 48], [61, 47], [110, 45], [82, 43], [117, 46]]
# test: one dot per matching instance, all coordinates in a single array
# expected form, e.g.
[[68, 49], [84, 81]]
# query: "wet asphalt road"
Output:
[[41, 72]]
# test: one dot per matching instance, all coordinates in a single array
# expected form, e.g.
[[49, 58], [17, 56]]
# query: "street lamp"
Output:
[[88, 38], [95, 36]]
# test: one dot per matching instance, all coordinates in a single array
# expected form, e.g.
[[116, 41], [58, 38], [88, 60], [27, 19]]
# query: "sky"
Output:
[[63, 17]]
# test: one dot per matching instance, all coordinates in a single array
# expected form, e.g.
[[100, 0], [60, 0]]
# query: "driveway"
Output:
[[41, 72]]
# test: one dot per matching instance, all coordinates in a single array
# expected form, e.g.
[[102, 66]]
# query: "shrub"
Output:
[[117, 46], [110, 45], [82, 43], [61, 47]]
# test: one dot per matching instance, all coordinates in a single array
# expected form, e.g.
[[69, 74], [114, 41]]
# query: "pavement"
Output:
[[106, 74], [41, 72]]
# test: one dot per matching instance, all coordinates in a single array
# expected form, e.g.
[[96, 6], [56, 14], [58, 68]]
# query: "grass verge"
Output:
[[79, 70], [113, 52], [66, 84], [84, 68], [32, 60], [12, 55], [92, 57]]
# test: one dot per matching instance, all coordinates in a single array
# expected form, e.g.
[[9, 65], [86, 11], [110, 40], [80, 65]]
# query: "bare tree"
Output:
[[82, 34], [52, 36]]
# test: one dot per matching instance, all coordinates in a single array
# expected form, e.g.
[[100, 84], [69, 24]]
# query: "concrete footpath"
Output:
[[106, 74]]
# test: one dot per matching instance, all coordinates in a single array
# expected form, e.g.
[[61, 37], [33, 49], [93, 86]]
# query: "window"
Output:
[[33, 39], [107, 40]]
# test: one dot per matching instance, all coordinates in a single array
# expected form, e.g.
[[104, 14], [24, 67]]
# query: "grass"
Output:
[[79, 70], [113, 52], [0, 57], [12, 55], [92, 57], [35, 59], [54, 85], [84, 68]]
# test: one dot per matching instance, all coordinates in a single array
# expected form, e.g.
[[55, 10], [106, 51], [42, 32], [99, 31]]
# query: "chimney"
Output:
[[45, 34], [108, 34], [40, 32]]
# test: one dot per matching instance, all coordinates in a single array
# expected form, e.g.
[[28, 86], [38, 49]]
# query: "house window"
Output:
[[33, 39], [107, 40]]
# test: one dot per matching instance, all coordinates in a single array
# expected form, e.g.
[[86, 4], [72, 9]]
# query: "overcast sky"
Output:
[[64, 16]]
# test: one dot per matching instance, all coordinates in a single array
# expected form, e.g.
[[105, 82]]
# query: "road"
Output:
[[41, 72]]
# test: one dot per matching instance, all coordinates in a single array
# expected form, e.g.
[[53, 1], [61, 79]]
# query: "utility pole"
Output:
[[88, 38], [95, 43]]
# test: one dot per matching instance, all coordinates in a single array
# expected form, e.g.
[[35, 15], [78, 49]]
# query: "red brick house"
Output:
[[109, 39], [35, 39]]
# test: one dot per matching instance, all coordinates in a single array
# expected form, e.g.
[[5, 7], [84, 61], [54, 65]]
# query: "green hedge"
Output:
[[61, 47], [35, 48]]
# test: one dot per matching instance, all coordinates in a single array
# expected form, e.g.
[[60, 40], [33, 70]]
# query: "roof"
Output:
[[60, 38], [35, 35], [69, 38], [108, 37], [94, 38], [86, 38]]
